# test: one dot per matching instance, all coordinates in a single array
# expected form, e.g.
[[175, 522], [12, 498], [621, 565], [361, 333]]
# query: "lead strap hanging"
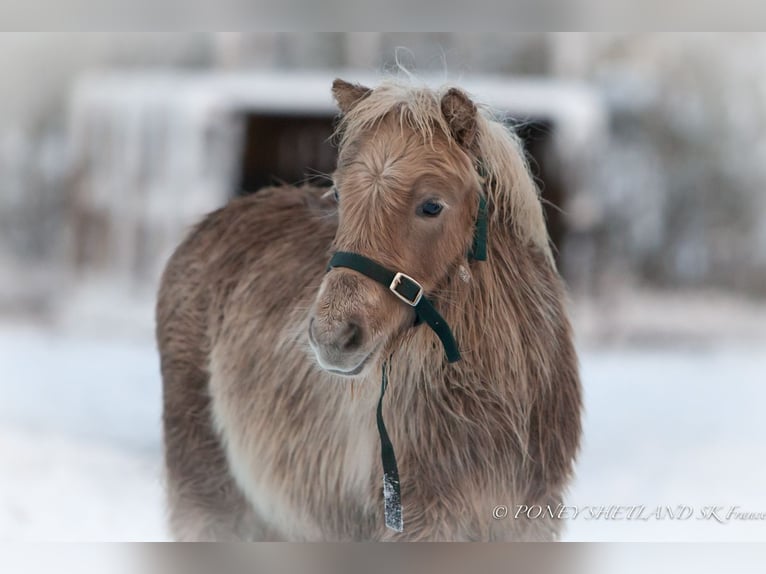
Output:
[[392, 494]]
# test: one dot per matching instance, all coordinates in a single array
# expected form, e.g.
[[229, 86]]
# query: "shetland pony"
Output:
[[271, 364]]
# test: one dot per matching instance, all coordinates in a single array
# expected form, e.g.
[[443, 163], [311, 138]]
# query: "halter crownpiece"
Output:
[[410, 292]]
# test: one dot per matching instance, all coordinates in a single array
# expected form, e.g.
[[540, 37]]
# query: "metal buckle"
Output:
[[395, 283]]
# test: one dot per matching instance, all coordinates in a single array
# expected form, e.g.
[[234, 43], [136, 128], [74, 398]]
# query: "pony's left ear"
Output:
[[347, 94], [460, 113]]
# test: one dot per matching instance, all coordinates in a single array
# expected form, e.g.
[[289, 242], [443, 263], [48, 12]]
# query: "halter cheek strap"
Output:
[[478, 250]]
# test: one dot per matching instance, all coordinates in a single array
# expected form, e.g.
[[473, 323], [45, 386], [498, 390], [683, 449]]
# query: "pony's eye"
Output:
[[335, 193], [430, 209]]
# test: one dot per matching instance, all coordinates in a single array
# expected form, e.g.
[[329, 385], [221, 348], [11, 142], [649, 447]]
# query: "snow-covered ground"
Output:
[[669, 428], [80, 455]]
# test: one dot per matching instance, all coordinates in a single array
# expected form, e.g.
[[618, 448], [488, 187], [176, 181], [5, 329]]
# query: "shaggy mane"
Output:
[[513, 197]]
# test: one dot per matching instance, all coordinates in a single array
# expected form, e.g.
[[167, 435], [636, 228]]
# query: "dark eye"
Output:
[[335, 193], [430, 209]]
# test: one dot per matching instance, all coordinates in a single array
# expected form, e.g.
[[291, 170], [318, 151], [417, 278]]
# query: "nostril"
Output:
[[351, 338], [345, 337]]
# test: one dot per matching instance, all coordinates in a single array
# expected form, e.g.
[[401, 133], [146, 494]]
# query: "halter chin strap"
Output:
[[407, 290]]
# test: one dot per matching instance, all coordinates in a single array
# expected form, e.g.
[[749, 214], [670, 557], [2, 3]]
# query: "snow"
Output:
[[79, 437], [80, 455], [58, 488], [673, 427], [570, 103], [96, 389]]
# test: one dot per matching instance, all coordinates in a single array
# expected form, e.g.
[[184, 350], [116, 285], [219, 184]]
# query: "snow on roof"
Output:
[[575, 109]]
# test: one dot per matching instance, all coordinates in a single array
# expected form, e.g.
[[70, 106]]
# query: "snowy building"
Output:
[[153, 152]]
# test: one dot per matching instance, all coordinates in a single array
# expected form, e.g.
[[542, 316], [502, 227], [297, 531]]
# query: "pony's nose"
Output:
[[343, 336]]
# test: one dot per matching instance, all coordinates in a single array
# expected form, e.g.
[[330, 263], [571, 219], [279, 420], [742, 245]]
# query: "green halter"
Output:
[[410, 292]]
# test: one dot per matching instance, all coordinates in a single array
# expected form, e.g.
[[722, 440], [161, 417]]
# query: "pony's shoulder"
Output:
[[281, 196], [278, 207]]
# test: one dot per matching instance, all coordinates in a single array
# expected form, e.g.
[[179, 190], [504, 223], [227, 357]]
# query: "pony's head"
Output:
[[408, 193]]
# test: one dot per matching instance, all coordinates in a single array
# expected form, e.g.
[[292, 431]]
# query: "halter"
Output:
[[406, 290], [411, 293]]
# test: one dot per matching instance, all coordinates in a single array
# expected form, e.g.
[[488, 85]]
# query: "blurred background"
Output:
[[650, 151]]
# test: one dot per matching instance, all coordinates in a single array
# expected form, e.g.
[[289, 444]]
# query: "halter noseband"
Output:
[[410, 292]]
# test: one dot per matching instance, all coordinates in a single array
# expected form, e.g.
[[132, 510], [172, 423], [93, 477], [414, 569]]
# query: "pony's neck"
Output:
[[488, 305], [489, 296]]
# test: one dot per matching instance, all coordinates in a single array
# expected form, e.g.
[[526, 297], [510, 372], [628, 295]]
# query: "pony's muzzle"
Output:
[[338, 345]]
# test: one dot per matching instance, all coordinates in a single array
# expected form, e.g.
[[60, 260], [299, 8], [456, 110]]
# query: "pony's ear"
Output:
[[347, 94], [460, 113]]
